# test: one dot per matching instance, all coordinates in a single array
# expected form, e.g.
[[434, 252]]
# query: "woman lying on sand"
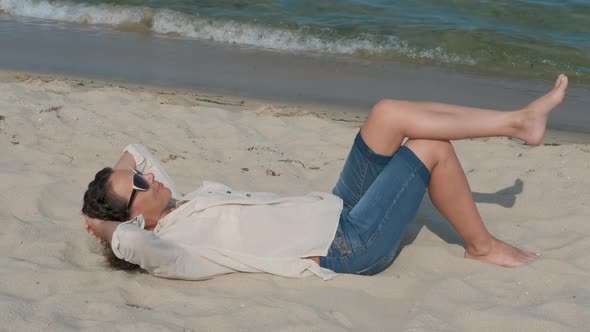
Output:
[[136, 209]]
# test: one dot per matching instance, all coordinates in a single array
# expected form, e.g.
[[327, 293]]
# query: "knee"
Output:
[[445, 148], [387, 109], [431, 152]]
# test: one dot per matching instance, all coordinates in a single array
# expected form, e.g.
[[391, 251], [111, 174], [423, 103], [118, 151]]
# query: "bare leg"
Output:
[[425, 120], [451, 195]]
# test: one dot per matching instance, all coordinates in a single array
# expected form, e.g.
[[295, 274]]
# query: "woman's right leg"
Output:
[[391, 121]]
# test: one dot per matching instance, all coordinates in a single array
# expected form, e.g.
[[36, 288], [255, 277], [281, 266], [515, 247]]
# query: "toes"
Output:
[[528, 254], [524, 257], [560, 82], [529, 257]]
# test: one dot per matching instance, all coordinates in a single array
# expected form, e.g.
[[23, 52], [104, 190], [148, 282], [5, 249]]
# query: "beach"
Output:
[[58, 131], [264, 107]]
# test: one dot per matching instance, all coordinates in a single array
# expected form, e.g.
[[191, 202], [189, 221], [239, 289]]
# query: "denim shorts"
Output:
[[381, 196]]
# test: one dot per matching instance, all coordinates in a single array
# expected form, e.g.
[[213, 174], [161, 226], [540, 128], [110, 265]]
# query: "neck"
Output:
[[150, 223]]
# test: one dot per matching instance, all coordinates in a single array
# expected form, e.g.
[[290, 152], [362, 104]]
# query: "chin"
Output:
[[168, 193]]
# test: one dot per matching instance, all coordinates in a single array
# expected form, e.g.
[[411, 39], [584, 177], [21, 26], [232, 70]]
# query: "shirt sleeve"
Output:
[[161, 257], [142, 247], [147, 163]]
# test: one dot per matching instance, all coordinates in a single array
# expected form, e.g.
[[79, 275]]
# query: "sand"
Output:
[[56, 133]]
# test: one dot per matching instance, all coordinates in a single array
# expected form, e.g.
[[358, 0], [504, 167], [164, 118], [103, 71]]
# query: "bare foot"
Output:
[[535, 114], [503, 254]]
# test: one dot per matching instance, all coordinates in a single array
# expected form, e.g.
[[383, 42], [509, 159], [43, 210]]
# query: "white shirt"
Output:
[[222, 231]]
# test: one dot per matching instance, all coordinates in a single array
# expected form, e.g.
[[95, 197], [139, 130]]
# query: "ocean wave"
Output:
[[165, 21], [77, 13]]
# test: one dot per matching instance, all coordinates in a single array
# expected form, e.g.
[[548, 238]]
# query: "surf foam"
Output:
[[165, 21]]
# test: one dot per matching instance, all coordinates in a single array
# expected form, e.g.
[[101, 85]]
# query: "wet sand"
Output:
[[346, 84]]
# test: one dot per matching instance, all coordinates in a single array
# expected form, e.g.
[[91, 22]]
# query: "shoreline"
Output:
[[349, 84]]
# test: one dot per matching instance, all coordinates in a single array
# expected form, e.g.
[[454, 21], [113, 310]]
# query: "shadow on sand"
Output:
[[430, 218]]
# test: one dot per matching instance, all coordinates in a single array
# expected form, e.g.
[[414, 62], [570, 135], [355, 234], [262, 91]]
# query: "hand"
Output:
[[92, 226]]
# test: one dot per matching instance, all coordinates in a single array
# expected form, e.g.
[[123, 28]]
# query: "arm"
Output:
[[134, 156], [127, 161], [159, 257], [101, 229], [138, 246]]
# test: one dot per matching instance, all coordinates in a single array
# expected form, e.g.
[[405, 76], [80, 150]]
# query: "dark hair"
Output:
[[101, 203]]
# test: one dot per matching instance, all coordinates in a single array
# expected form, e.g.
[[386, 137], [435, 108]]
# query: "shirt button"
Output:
[[248, 195], [228, 192]]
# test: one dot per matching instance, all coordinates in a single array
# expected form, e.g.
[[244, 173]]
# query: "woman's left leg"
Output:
[[391, 121], [451, 195]]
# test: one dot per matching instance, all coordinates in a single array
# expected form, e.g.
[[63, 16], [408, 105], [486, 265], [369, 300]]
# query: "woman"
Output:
[[357, 229]]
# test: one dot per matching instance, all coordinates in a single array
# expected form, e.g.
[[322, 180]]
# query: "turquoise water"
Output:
[[509, 37]]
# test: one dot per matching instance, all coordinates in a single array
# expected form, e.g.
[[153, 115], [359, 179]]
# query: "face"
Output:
[[151, 203]]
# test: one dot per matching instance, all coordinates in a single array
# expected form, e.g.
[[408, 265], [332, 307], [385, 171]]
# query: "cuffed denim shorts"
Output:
[[381, 196]]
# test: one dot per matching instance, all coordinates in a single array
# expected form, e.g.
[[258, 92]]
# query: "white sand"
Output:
[[52, 278]]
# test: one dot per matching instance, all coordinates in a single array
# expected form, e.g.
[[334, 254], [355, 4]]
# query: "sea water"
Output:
[[528, 38]]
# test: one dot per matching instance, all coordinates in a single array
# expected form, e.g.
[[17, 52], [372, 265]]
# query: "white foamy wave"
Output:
[[438, 54], [170, 22], [76, 13], [167, 22], [163, 21]]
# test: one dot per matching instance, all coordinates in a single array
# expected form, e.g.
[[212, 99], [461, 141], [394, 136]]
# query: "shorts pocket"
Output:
[[340, 243]]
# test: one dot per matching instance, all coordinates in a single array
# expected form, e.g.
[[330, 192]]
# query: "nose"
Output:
[[149, 177]]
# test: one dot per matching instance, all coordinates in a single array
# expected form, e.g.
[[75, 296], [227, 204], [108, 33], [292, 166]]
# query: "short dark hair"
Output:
[[101, 203]]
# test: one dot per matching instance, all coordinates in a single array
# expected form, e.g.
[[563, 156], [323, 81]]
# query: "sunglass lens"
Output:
[[140, 182]]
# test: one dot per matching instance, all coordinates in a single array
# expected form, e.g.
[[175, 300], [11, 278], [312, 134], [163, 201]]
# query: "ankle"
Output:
[[519, 118], [516, 121], [481, 247]]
